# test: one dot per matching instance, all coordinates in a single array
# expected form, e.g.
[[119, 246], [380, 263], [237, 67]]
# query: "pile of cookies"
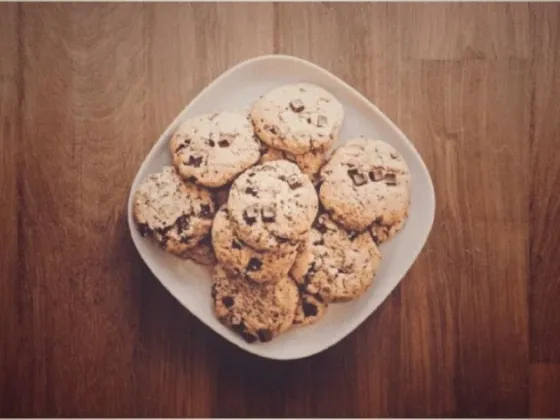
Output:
[[288, 229]]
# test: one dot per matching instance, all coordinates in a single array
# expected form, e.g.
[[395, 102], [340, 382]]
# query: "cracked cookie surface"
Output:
[[212, 149], [297, 118], [272, 204], [257, 312], [176, 214], [336, 265], [241, 259], [366, 182]]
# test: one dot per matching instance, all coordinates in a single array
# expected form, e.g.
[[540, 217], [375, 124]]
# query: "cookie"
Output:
[[336, 265], [366, 181], [174, 213], [238, 257], [297, 118], [258, 312], [310, 309], [212, 149], [272, 204], [202, 253], [309, 163]]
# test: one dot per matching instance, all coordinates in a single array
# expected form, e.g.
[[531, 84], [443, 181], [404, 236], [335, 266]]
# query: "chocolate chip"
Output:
[[185, 239], [321, 121], [309, 309], [296, 105], [192, 178], [357, 178], [254, 264], [268, 214], [353, 235], [376, 175], [391, 179], [223, 143], [236, 244], [374, 236], [195, 161], [144, 229], [308, 120], [319, 242], [320, 226], [294, 182], [182, 223], [249, 338], [205, 211], [228, 301], [250, 215], [302, 90], [264, 335], [210, 142], [251, 191], [182, 146]]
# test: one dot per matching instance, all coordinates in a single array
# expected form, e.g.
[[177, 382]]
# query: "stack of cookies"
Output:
[[288, 229]]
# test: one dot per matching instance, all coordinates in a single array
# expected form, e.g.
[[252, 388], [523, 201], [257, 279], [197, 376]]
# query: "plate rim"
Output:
[[359, 319]]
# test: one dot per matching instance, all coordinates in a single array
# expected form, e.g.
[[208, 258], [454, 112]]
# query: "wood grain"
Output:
[[85, 328]]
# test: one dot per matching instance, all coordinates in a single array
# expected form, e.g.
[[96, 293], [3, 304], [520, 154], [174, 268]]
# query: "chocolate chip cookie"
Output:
[[366, 182], [176, 214], [257, 312], [336, 265], [272, 204], [297, 118], [238, 257], [212, 149]]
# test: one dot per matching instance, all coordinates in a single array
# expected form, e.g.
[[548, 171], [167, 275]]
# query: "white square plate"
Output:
[[236, 89]]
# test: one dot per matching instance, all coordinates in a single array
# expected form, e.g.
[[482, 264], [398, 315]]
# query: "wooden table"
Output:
[[85, 329]]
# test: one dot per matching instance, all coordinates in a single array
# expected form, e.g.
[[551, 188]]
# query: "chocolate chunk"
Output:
[[254, 264], [391, 179], [194, 161], [228, 301], [250, 215], [251, 191], [205, 211], [322, 121], [309, 309], [294, 182], [268, 214], [210, 142], [163, 231], [264, 335], [376, 175], [357, 178], [236, 244], [192, 178], [144, 229], [319, 242], [296, 105], [308, 120], [182, 223], [224, 143]]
